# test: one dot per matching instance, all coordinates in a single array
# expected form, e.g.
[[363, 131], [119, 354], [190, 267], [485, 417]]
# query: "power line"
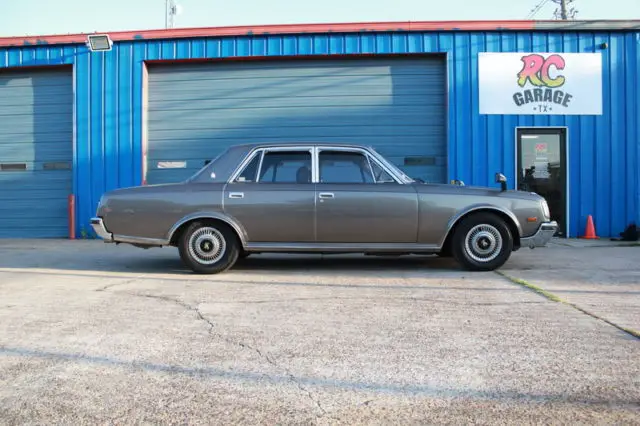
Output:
[[564, 10], [536, 9]]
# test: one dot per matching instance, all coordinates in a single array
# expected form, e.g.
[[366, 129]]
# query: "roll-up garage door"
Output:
[[36, 152], [397, 105]]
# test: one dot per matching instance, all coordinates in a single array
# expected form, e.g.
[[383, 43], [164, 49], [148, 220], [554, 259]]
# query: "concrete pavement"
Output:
[[94, 333]]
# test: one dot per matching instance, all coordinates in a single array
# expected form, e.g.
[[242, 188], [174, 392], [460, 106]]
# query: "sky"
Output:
[[43, 17]]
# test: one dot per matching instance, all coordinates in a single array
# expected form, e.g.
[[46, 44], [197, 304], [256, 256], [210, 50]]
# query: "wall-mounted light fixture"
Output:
[[99, 42]]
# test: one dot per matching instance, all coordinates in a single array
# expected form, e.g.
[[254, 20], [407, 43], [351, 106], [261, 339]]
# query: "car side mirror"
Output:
[[502, 180]]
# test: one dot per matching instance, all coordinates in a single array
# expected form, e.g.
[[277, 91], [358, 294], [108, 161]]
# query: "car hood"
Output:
[[484, 191]]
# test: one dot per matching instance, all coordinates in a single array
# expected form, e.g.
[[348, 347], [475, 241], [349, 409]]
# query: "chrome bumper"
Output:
[[100, 230], [543, 235]]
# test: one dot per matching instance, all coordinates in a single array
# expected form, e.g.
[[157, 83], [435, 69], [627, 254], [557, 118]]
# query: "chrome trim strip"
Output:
[[469, 209], [139, 240], [363, 150], [209, 215], [262, 150], [314, 149], [342, 247]]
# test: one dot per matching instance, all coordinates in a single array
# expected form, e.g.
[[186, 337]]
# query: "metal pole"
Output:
[[563, 9]]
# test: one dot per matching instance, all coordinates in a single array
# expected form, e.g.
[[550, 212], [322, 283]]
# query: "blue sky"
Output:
[[41, 17]]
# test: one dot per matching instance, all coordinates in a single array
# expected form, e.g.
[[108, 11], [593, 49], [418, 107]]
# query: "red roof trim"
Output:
[[321, 28]]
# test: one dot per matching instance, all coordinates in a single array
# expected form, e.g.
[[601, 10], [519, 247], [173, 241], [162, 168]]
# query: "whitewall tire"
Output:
[[482, 242], [208, 247]]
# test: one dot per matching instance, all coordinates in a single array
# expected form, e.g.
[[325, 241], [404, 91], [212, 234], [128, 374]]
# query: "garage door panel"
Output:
[[303, 68], [15, 228], [36, 152], [10, 135], [210, 103], [287, 90], [45, 111], [191, 123], [23, 123], [397, 105], [313, 111], [239, 135]]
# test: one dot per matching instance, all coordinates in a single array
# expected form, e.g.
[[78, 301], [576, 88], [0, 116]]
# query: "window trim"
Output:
[[245, 163], [262, 151], [314, 150], [362, 151]]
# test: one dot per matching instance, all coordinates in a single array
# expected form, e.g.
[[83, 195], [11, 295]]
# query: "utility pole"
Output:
[[171, 9], [564, 12]]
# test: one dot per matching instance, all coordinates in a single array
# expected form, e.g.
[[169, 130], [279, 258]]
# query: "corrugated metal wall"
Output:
[[36, 152], [603, 149], [397, 105]]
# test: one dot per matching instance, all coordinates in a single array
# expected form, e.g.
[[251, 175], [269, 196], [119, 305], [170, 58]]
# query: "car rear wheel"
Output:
[[482, 242], [208, 248]]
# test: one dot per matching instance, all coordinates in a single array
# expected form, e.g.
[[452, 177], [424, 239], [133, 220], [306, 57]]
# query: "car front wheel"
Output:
[[208, 248], [482, 242]]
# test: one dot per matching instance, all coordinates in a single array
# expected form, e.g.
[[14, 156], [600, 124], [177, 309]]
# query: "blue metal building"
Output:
[[160, 103]]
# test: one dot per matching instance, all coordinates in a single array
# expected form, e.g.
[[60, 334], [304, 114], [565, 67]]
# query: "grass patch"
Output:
[[557, 299], [530, 286]]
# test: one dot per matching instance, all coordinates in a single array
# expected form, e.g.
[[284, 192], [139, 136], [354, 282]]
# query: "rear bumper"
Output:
[[543, 235], [98, 226]]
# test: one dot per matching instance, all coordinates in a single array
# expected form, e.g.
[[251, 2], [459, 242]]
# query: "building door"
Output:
[[398, 105], [36, 152], [542, 168]]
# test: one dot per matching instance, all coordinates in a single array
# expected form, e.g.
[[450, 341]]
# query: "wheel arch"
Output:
[[510, 219], [180, 225]]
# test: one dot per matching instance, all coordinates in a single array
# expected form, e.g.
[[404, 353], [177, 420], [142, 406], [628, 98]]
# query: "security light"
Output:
[[99, 42]]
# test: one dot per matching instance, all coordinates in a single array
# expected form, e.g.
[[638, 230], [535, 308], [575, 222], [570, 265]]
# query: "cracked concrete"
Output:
[[211, 328], [104, 334]]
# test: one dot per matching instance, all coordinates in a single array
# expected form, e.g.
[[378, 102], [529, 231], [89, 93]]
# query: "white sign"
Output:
[[540, 83]]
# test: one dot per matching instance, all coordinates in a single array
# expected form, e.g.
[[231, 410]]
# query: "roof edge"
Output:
[[351, 27]]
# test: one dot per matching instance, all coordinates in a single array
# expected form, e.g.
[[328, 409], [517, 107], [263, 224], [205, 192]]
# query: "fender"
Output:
[[211, 215], [483, 206]]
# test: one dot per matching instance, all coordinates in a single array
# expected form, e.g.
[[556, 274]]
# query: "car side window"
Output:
[[250, 171], [286, 167], [380, 175], [344, 167]]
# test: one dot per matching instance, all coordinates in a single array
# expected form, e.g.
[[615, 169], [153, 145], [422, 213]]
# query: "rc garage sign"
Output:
[[540, 83]]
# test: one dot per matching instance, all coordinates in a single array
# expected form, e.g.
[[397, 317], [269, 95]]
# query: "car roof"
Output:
[[252, 145]]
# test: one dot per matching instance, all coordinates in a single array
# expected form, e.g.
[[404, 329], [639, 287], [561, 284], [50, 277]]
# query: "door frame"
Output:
[[567, 196]]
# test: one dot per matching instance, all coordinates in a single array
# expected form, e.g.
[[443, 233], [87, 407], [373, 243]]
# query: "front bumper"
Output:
[[98, 226], [543, 235]]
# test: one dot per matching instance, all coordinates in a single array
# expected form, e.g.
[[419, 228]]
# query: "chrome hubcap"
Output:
[[207, 245], [483, 243]]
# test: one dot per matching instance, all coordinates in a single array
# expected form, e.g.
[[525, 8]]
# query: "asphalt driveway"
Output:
[[93, 333]]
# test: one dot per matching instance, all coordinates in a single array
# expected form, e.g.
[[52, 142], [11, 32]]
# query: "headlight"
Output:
[[545, 209]]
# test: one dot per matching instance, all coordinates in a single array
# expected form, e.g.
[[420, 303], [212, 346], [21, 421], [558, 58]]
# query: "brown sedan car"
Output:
[[321, 198]]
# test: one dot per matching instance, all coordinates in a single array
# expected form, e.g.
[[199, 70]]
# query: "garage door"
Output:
[[36, 134], [396, 105]]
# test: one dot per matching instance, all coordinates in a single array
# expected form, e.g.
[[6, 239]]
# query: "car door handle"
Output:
[[326, 195], [236, 195]]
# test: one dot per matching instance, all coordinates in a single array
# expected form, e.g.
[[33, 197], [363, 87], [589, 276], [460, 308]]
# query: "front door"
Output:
[[279, 205], [542, 168], [358, 202]]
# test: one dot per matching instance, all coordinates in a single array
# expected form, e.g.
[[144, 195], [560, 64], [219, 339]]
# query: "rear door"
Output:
[[359, 202], [273, 197]]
